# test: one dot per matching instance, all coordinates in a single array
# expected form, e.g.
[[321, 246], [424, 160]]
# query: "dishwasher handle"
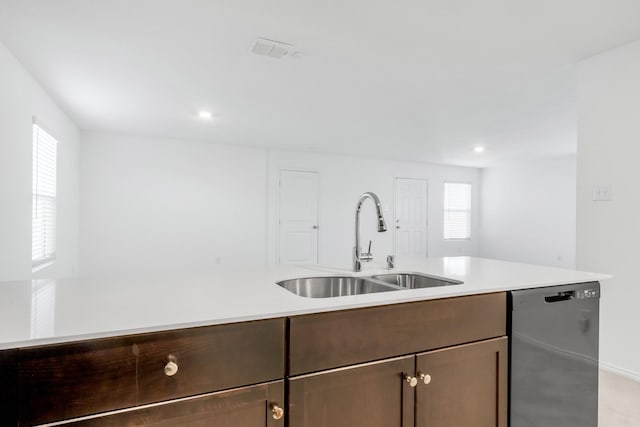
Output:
[[560, 296]]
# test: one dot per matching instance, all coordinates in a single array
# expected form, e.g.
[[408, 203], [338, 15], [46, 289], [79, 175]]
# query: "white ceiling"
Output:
[[422, 80]]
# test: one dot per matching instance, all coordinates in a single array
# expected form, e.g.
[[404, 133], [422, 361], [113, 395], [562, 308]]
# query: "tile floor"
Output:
[[619, 401]]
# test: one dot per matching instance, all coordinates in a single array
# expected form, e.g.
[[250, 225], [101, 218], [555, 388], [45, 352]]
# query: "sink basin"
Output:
[[326, 287], [415, 281]]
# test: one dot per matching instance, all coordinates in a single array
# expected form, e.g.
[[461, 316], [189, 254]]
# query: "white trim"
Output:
[[634, 376]]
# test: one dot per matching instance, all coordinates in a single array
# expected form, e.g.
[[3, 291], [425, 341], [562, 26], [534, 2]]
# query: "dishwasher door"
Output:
[[554, 356]]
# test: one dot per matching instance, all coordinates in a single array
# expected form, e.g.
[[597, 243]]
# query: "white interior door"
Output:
[[298, 217], [410, 218]]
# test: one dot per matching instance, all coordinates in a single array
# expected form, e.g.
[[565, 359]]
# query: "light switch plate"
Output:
[[602, 193]]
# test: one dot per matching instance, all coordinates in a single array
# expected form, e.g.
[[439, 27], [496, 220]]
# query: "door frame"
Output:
[[395, 212], [278, 186]]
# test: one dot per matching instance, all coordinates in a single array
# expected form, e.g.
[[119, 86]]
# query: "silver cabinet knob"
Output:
[[315, 227], [170, 369], [397, 227], [413, 381], [425, 378], [276, 412]]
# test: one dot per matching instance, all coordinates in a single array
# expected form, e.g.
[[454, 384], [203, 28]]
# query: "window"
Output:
[[457, 210], [43, 211]]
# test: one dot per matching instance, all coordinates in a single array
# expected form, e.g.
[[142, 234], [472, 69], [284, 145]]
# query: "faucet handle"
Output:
[[367, 256]]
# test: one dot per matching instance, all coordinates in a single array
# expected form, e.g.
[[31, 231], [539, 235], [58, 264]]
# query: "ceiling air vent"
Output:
[[270, 48]]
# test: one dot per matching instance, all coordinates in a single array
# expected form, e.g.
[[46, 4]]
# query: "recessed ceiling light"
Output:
[[205, 115], [478, 149]]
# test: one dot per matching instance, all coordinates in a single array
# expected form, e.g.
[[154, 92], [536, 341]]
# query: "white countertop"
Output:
[[63, 310]]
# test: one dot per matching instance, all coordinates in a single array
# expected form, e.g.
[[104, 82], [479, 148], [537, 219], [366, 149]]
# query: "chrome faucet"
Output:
[[358, 256]]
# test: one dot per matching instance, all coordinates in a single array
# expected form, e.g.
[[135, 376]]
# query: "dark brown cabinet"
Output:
[[210, 359], [371, 395], [254, 406], [464, 385], [435, 363], [467, 386], [66, 381], [9, 387], [376, 333]]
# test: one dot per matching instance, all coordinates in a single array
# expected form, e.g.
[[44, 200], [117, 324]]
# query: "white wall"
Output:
[[609, 232], [153, 205], [528, 212], [21, 98], [157, 204], [342, 179]]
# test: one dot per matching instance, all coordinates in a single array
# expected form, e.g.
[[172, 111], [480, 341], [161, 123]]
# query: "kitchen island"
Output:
[[233, 346]]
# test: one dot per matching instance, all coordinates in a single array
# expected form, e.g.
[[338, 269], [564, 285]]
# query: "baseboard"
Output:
[[635, 376]]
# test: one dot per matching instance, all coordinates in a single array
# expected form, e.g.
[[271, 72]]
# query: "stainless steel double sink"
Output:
[[337, 286]]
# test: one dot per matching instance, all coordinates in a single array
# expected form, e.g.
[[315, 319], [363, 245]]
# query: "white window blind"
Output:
[[43, 213], [457, 210]]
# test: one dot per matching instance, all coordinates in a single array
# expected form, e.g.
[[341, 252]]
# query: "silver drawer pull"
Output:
[[276, 412], [412, 381], [426, 378], [170, 369]]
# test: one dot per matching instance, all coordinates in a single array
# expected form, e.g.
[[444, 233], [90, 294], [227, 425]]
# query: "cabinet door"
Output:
[[253, 406], [370, 395], [9, 387], [468, 386]]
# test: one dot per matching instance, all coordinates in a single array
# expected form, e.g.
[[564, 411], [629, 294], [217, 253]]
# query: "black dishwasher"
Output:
[[554, 356]]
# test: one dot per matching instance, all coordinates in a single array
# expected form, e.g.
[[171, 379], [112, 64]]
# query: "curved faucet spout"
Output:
[[358, 256], [382, 226]]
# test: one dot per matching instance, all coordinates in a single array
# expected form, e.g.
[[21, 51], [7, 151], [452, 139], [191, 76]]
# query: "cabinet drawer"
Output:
[[210, 359], [68, 380], [341, 338], [71, 380], [246, 407]]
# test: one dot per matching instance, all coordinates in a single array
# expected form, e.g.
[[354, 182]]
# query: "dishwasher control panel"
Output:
[[587, 293]]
